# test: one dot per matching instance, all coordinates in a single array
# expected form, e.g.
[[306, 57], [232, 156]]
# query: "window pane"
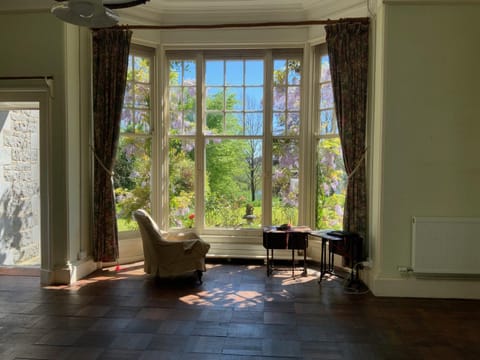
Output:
[[214, 72], [189, 121], [331, 184], [294, 75], [233, 183], [175, 98], [142, 95], [132, 178], [278, 124], [189, 100], [129, 94], [234, 72], [142, 69], [279, 72], [126, 122], [176, 72], [130, 68], [254, 123], [293, 123], [326, 96], [253, 72], [234, 123], [189, 73], [215, 98], [286, 97], [325, 69], [215, 123], [235, 98], [182, 99], [328, 122], [142, 122], [285, 181], [293, 102], [229, 107], [253, 98], [279, 98], [181, 156]]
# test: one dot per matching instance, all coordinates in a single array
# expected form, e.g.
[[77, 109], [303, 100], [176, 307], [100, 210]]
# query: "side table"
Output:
[[347, 244], [295, 238]]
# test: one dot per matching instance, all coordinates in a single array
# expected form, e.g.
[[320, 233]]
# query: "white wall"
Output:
[[430, 128], [35, 44]]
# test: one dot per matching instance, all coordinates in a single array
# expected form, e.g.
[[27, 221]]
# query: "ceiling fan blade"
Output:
[[88, 13]]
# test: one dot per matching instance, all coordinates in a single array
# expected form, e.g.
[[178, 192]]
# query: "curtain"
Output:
[[110, 61], [347, 44]]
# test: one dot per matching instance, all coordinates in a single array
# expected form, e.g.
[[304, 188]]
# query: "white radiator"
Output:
[[446, 246]]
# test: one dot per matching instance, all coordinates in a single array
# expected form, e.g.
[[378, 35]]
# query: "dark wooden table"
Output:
[[348, 245], [294, 238]]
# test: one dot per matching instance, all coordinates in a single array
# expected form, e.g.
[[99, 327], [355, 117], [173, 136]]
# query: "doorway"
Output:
[[20, 197]]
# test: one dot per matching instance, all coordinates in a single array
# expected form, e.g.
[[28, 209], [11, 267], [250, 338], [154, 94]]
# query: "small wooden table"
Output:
[[348, 245], [295, 238]]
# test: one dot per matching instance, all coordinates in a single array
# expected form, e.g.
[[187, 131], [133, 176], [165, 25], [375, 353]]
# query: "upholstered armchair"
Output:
[[170, 254]]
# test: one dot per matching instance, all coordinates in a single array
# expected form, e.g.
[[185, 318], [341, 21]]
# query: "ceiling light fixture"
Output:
[[92, 13]]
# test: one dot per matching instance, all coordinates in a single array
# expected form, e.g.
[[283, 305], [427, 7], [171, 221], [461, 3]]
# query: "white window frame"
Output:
[[267, 138], [144, 51]]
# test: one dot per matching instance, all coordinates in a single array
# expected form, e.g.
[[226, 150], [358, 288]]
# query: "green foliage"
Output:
[[124, 166], [331, 185], [133, 170]]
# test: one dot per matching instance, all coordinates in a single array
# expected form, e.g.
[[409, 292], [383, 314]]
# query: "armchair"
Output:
[[170, 254]]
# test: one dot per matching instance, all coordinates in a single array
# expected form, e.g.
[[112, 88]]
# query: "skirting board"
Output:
[[422, 288], [69, 274]]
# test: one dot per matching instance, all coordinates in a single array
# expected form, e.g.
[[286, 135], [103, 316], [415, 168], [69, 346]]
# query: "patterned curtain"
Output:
[[347, 44], [110, 61]]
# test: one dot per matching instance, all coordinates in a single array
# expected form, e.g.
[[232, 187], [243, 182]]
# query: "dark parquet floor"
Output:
[[237, 313]]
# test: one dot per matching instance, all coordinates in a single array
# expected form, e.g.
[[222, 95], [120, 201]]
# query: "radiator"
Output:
[[446, 246]]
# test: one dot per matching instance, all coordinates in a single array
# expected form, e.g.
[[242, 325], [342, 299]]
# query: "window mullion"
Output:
[[307, 142], [162, 207], [200, 144], [268, 140]]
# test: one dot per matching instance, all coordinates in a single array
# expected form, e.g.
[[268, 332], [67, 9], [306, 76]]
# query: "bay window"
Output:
[[233, 133]]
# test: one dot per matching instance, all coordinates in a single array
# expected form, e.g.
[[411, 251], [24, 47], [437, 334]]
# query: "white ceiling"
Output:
[[214, 11]]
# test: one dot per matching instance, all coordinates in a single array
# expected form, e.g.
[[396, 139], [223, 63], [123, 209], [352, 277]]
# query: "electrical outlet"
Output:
[[404, 269]]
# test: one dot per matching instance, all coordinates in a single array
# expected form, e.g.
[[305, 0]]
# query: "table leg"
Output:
[[304, 261], [293, 263], [268, 264], [323, 260]]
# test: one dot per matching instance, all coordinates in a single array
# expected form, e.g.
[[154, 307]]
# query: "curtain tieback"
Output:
[[111, 173], [357, 166]]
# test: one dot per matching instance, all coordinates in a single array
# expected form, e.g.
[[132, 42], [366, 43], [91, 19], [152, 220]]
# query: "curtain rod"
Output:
[[364, 20]]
